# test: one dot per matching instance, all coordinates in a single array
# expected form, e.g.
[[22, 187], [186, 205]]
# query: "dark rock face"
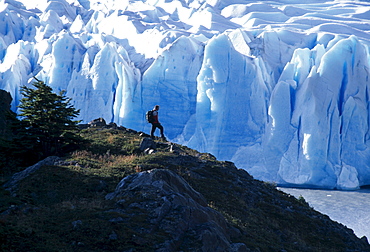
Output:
[[11, 185], [5, 100], [172, 206]]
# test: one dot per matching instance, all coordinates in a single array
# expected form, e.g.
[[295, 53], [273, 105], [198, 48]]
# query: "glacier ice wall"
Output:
[[279, 88]]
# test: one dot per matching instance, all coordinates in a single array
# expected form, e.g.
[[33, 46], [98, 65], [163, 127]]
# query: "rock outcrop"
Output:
[[99, 122], [11, 185], [171, 206]]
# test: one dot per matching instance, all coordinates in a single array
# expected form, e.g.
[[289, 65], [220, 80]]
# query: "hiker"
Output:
[[155, 122]]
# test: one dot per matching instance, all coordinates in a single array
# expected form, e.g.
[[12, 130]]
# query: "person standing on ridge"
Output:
[[155, 123]]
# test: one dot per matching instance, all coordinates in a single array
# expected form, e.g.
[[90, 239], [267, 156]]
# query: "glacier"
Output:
[[280, 88]]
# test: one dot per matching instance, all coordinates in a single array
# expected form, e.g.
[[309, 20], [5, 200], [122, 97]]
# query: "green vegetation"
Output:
[[63, 207], [47, 119], [51, 199], [47, 127]]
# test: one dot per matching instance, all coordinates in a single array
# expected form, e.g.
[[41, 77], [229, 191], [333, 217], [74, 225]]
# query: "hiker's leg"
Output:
[[152, 131], [160, 127]]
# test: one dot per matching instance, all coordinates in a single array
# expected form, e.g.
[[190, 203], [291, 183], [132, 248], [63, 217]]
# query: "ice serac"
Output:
[[279, 88], [317, 132], [231, 100], [331, 121]]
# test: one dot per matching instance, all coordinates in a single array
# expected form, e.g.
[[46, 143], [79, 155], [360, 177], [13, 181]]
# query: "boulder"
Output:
[[100, 122], [172, 207], [112, 125], [11, 185], [147, 144]]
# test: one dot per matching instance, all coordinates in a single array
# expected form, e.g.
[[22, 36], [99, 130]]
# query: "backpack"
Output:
[[149, 116]]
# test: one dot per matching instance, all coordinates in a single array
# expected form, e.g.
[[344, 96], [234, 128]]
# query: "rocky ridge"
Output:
[[176, 200]]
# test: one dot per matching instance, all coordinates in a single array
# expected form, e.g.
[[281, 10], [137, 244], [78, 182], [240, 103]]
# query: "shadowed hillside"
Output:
[[112, 195], [5, 100]]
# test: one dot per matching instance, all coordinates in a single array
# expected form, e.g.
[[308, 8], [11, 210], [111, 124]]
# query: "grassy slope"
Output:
[[51, 204]]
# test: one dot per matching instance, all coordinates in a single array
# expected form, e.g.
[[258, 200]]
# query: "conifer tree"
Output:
[[48, 119]]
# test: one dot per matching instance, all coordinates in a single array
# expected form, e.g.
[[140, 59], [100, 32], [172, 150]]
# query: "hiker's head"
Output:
[[156, 107]]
